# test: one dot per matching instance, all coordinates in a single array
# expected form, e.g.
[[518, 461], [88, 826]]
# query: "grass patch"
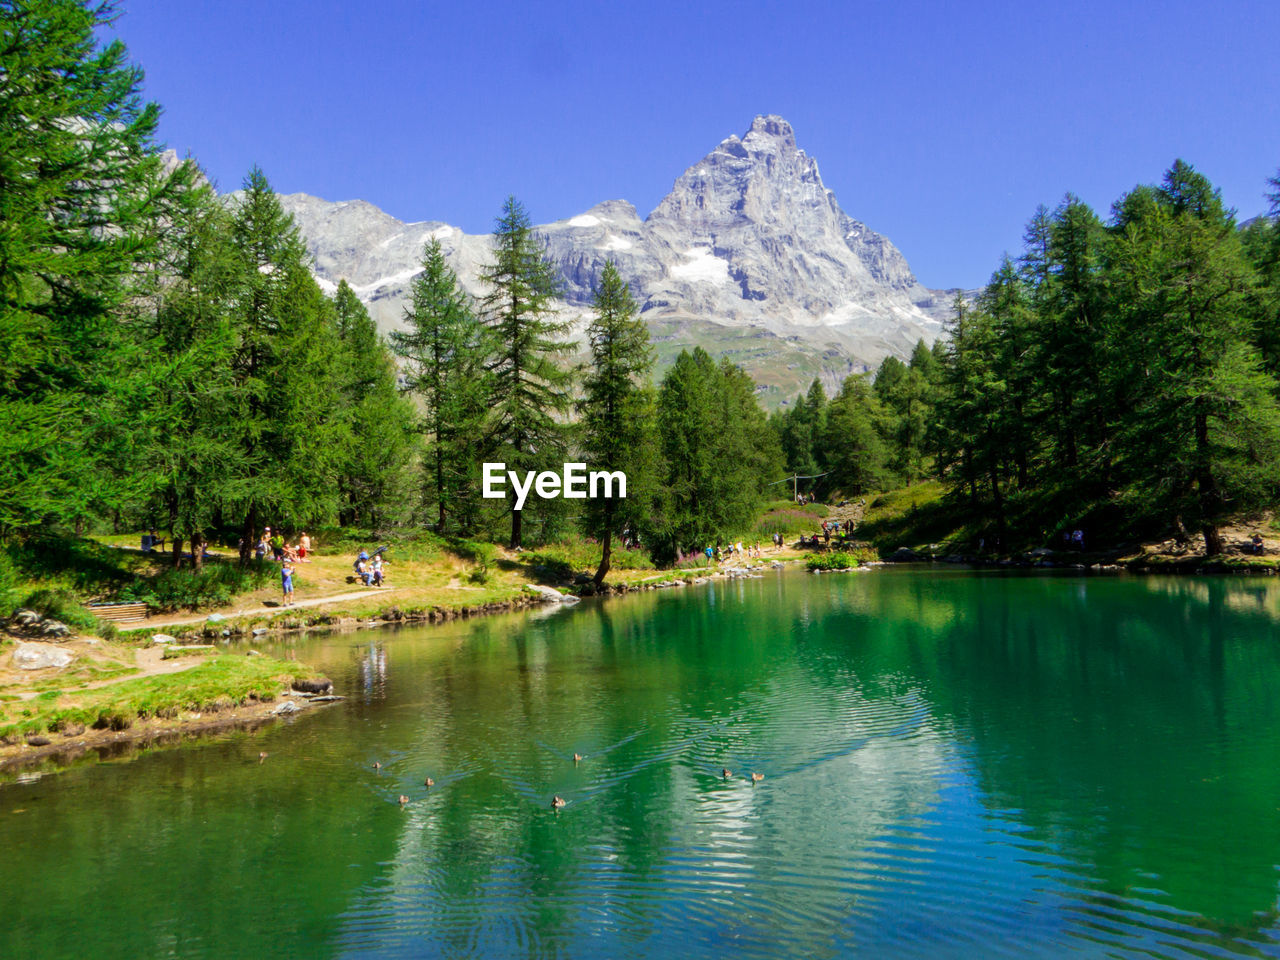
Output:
[[215, 585], [788, 519], [912, 516], [221, 682]]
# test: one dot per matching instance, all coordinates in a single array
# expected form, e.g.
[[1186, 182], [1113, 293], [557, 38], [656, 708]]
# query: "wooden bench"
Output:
[[119, 612]]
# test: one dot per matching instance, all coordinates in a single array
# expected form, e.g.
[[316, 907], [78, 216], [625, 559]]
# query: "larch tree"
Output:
[[443, 348], [76, 158], [530, 389], [617, 408]]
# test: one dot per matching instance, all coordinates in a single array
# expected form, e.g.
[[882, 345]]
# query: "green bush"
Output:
[[60, 603], [839, 559], [217, 584]]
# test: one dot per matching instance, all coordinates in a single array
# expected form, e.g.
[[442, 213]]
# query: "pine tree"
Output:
[[1204, 434], [76, 162], [183, 459], [530, 390], [618, 419], [286, 370], [444, 348], [379, 435], [719, 452], [853, 437]]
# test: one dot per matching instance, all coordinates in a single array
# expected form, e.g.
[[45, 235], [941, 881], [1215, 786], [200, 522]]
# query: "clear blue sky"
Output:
[[941, 125]]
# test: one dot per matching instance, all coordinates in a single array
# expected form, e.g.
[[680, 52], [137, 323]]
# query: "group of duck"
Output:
[[557, 802]]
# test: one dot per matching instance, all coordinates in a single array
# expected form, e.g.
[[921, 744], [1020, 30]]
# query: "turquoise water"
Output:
[[956, 764]]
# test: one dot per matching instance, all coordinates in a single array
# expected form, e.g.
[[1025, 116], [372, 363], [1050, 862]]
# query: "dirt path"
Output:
[[149, 661], [153, 623]]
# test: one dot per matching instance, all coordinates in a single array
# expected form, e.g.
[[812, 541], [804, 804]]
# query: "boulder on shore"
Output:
[[903, 555], [38, 656]]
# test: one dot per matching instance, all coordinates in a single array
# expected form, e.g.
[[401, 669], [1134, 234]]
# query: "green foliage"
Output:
[[618, 427], [61, 604], [1119, 376], [76, 161], [444, 348], [215, 585], [530, 390], [839, 559], [378, 439], [719, 453]]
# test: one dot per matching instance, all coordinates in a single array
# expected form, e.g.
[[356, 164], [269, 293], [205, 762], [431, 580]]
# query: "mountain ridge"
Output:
[[749, 245]]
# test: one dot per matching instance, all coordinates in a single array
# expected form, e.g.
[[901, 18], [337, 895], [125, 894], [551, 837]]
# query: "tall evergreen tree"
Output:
[[378, 423], [530, 390], [618, 420], [719, 452], [286, 371], [444, 348], [76, 165]]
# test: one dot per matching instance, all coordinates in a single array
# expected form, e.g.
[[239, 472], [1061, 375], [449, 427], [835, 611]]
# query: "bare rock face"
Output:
[[749, 253]]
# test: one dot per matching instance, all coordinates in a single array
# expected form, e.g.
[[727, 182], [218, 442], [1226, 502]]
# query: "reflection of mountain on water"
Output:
[[652, 829], [955, 765]]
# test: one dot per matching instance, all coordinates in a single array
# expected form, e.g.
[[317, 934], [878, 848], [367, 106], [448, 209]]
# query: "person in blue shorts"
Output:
[[286, 581]]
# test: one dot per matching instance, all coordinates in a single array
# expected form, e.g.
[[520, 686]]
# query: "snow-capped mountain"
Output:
[[749, 255]]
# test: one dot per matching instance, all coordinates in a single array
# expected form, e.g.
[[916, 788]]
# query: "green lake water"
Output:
[[956, 763]]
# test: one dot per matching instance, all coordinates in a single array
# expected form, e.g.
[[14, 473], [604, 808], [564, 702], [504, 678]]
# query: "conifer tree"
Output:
[[378, 423], [530, 390], [286, 371], [76, 158], [444, 350], [618, 420]]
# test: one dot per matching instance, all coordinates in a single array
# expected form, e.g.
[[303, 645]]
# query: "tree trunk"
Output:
[[177, 550], [248, 536], [516, 516], [197, 551], [1208, 488], [605, 555]]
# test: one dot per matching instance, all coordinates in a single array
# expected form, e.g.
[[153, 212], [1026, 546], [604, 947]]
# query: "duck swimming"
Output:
[[557, 802], [757, 777], [726, 773], [428, 782], [403, 799]]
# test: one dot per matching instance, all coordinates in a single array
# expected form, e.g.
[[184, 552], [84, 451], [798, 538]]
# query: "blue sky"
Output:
[[941, 125]]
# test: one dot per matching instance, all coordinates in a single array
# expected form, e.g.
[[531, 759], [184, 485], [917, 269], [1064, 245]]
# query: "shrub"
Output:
[[839, 559]]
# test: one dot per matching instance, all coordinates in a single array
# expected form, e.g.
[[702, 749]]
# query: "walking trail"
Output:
[[162, 621]]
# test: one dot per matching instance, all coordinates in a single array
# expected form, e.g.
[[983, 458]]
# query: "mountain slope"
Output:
[[749, 255]]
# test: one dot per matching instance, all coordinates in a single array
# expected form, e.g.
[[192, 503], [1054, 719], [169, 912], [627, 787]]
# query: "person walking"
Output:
[[286, 582]]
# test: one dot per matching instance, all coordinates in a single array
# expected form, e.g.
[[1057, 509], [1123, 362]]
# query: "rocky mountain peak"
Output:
[[748, 248], [771, 128]]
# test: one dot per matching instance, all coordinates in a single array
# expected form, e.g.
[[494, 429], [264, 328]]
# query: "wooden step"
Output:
[[119, 612]]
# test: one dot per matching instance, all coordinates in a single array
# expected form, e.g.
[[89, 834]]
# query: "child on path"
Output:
[[286, 582]]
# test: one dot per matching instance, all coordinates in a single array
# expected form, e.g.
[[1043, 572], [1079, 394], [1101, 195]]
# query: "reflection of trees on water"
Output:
[[1133, 723], [658, 694], [1121, 730]]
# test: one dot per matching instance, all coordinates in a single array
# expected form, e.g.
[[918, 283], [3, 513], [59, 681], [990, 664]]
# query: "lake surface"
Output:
[[956, 763]]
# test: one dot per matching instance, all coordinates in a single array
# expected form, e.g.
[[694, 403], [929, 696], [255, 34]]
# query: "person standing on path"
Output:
[[286, 581]]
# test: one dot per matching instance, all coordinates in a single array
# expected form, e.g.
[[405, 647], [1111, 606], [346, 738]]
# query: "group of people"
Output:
[[284, 553], [281, 549], [369, 570], [723, 554]]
